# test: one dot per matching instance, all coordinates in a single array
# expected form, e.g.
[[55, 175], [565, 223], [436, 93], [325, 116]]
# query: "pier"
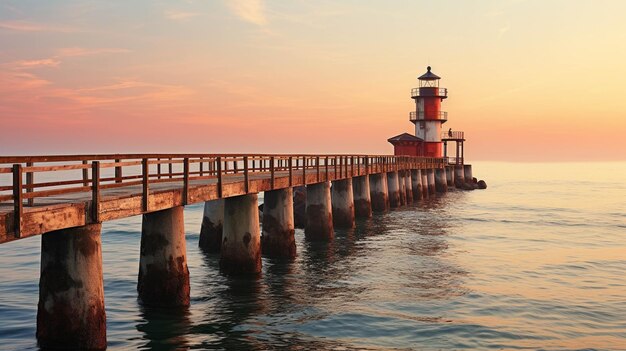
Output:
[[65, 199]]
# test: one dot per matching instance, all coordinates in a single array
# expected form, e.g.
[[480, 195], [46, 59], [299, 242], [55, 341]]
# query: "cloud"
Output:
[[77, 51], [252, 11], [50, 62], [180, 15], [24, 26]]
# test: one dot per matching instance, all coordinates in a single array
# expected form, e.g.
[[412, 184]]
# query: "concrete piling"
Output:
[[402, 188], [425, 192], [379, 192], [393, 186], [277, 236], [416, 184], [212, 226], [362, 197], [431, 181], [70, 313], [163, 273], [342, 199], [319, 224], [241, 240], [450, 175], [408, 186], [467, 173], [459, 178], [441, 183]]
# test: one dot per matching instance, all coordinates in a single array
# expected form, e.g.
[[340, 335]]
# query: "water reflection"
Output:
[[164, 328]]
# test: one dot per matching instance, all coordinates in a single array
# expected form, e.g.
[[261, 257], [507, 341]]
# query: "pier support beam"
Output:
[[450, 175], [70, 313], [212, 226], [362, 197], [425, 193], [343, 203], [416, 183], [467, 174], [459, 179], [402, 188], [163, 272], [431, 181], [441, 183], [393, 185], [379, 192], [408, 186], [319, 224], [277, 237], [241, 241]]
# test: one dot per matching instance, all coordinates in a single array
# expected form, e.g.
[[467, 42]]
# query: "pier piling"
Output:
[[343, 203], [425, 193], [431, 181], [416, 184], [70, 313], [379, 192], [459, 178], [163, 273], [467, 174], [441, 183], [212, 226], [393, 186], [450, 175], [362, 197], [277, 236], [319, 224], [241, 241], [408, 186]]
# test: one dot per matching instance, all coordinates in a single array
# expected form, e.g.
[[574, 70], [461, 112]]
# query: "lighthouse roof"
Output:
[[428, 75], [404, 137]]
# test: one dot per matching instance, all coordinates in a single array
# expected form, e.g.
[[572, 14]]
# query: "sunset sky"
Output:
[[527, 80]]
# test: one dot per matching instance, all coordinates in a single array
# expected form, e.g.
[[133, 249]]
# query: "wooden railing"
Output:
[[452, 135], [94, 173]]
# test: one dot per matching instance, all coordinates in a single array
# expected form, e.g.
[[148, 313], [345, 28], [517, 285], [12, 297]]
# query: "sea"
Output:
[[537, 261]]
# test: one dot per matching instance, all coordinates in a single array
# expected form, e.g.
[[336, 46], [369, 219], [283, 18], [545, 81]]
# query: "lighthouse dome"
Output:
[[429, 75]]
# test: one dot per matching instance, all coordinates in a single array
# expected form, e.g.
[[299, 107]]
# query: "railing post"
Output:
[[18, 206], [118, 172], [246, 178], [85, 175], [272, 175], [326, 166], [159, 168], [290, 171], [185, 181], [170, 168], [352, 166], [304, 165], [317, 167], [30, 180], [144, 183], [219, 176], [95, 191], [201, 167]]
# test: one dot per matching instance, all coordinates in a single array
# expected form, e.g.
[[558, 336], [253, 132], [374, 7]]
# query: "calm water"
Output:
[[537, 261]]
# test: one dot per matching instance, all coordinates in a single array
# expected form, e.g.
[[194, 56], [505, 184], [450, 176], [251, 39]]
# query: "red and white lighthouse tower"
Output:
[[428, 116]]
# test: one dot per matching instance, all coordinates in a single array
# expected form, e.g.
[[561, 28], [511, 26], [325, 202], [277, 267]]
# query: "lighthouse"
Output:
[[428, 120], [428, 117]]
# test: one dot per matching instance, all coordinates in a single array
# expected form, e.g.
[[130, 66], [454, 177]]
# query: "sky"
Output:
[[527, 80]]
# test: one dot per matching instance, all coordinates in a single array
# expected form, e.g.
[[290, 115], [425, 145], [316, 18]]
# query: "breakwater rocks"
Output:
[[472, 184]]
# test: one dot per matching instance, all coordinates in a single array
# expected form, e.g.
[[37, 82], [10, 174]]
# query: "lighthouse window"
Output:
[[421, 125]]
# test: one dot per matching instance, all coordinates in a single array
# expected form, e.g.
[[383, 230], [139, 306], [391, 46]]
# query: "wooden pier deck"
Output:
[[76, 190]]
